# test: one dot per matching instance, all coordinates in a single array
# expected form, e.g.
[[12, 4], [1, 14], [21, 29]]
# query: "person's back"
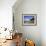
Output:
[[29, 43]]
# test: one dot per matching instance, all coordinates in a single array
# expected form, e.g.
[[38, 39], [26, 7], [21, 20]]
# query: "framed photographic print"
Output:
[[29, 19]]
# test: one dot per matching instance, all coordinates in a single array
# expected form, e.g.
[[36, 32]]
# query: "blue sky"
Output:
[[28, 17]]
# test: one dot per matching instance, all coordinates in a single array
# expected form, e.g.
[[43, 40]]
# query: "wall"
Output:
[[43, 22], [6, 13], [29, 32]]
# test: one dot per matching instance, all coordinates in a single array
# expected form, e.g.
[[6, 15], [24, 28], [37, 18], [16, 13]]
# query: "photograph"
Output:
[[29, 19]]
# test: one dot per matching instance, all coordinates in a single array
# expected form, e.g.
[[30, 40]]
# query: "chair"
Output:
[[18, 39]]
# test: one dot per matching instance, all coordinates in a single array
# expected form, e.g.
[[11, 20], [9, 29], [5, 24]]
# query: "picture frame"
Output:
[[29, 19]]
